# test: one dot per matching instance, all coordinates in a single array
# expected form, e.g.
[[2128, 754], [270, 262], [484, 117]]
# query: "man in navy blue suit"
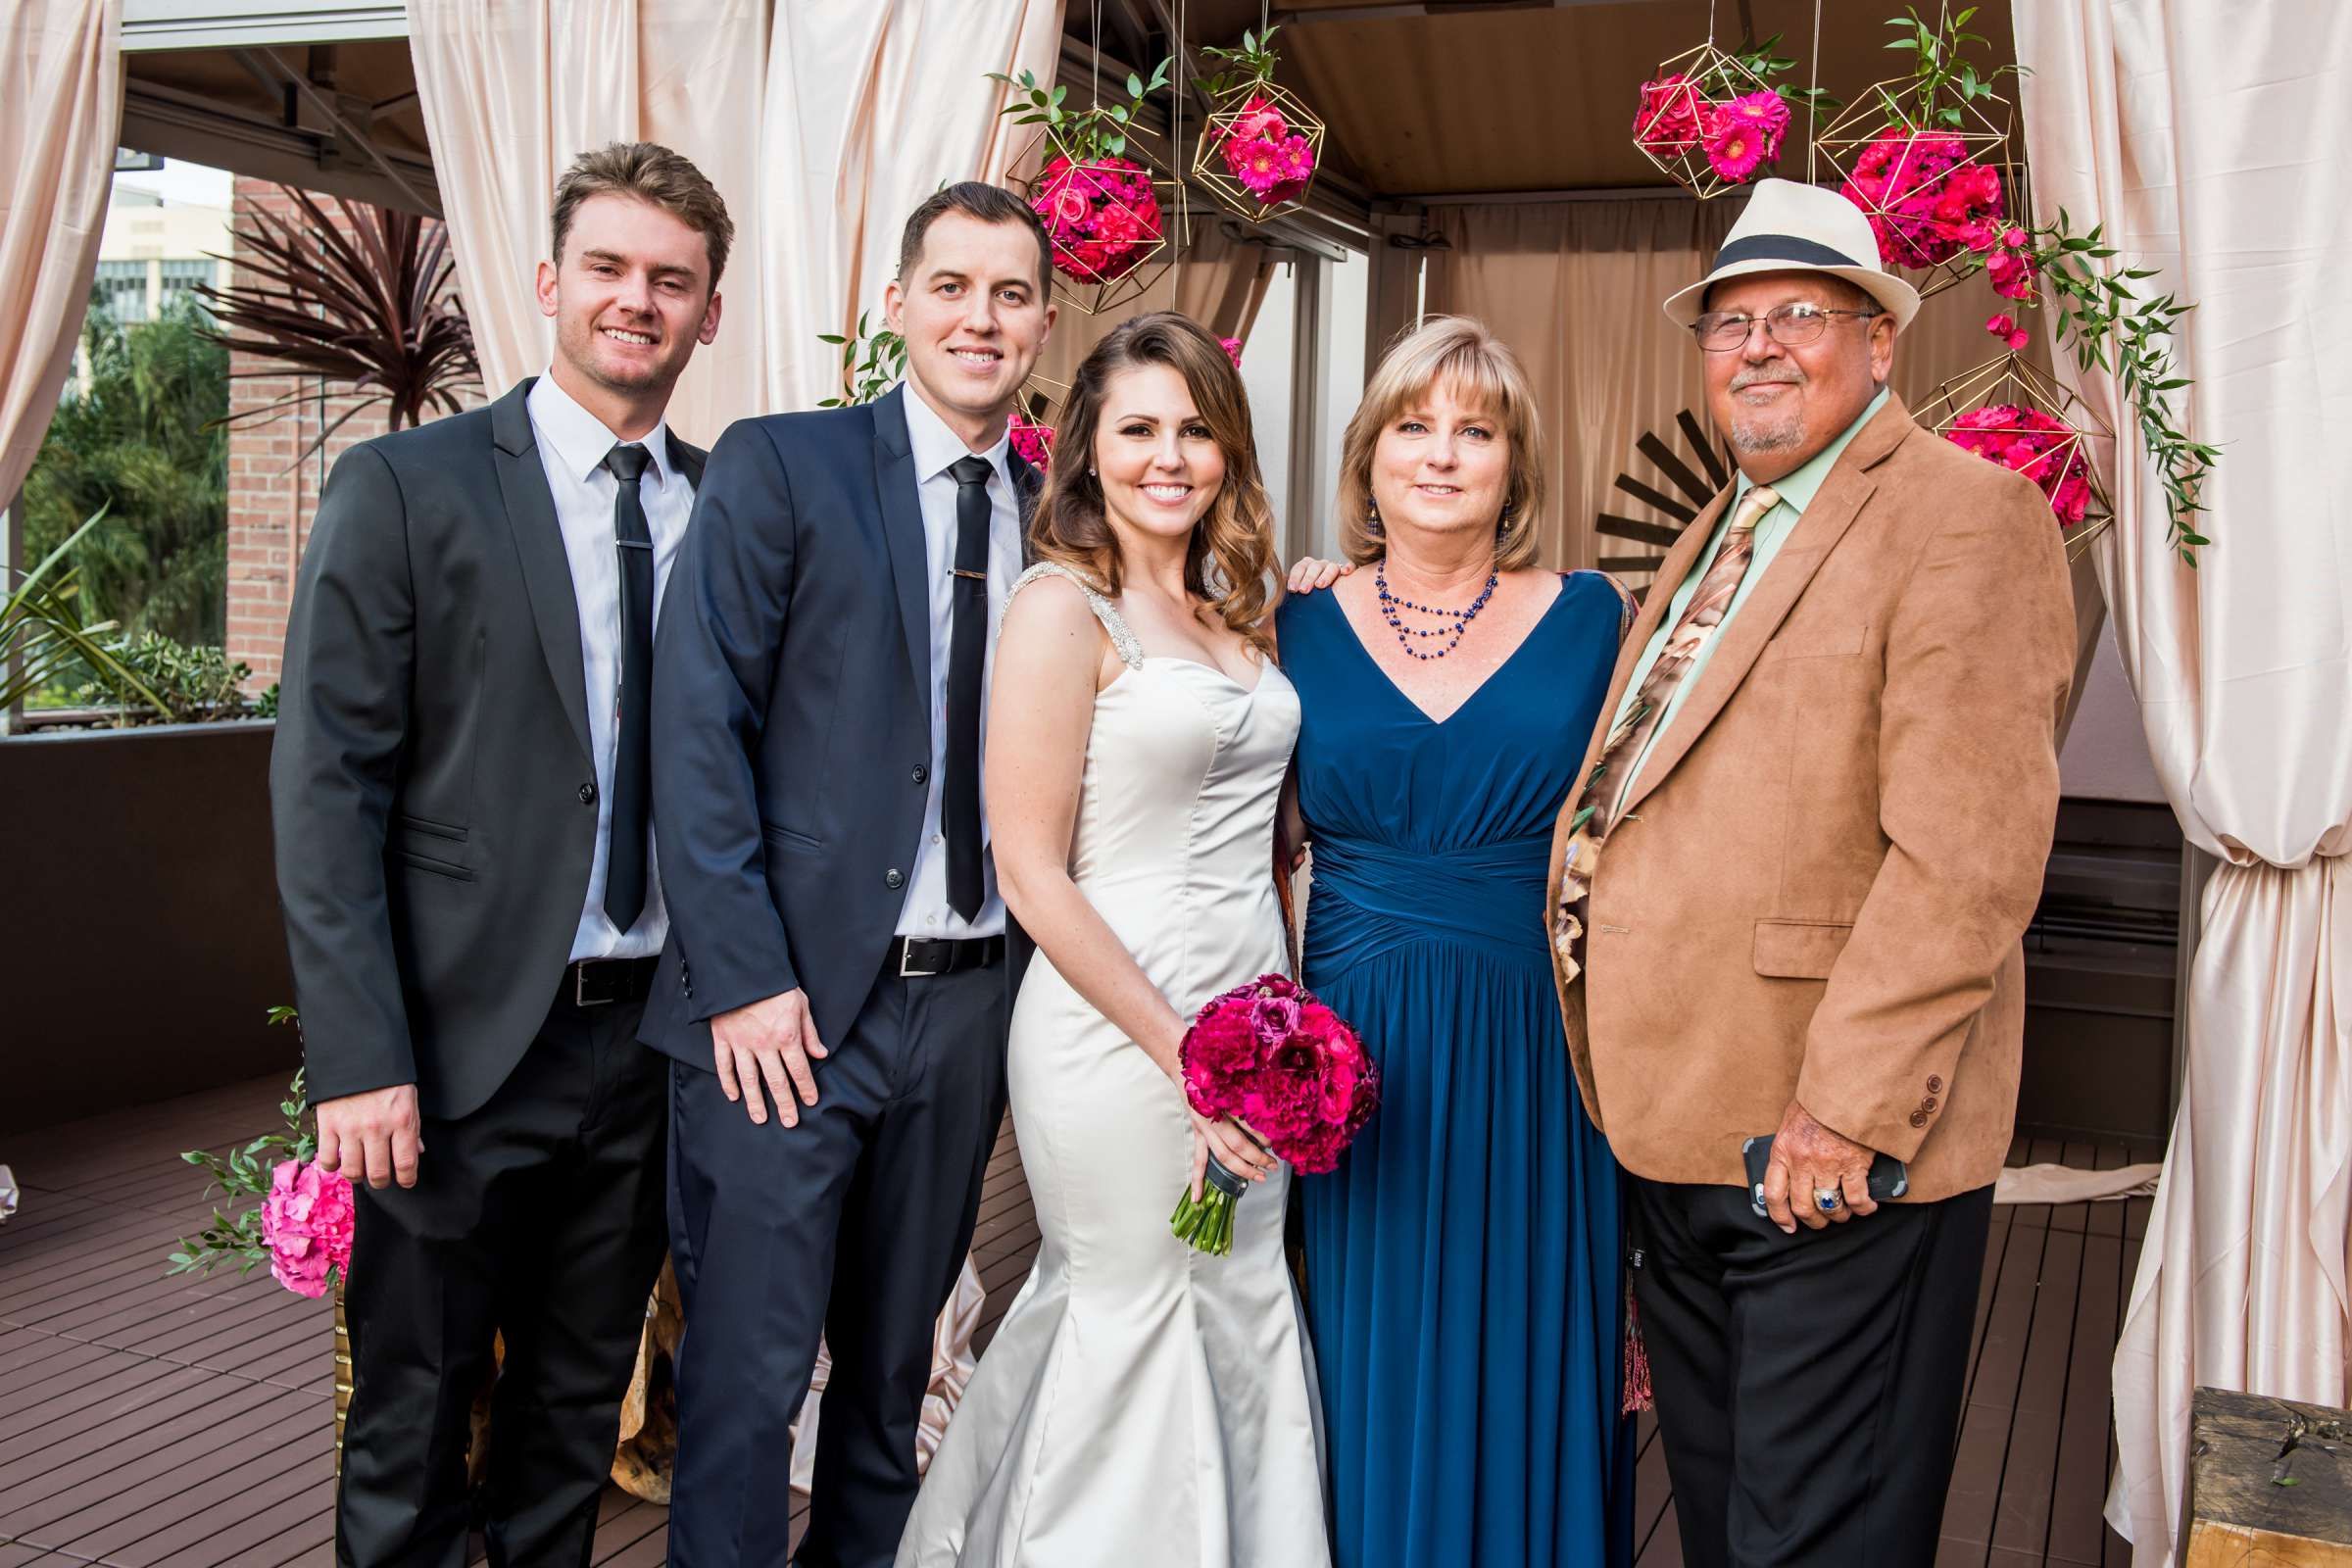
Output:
[[837, 988]]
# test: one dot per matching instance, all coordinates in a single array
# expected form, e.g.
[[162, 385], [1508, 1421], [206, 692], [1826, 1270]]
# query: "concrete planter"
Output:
[[142, 939]]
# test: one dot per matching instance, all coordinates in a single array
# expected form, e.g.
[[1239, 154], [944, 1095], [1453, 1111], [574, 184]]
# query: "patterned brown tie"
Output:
[[1603, 796]]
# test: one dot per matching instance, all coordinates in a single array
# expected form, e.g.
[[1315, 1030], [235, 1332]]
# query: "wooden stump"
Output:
[[2269, 1484]]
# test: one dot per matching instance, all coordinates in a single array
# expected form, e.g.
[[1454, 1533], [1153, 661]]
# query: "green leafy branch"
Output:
[[1246, 67], [871, 364], [1938, 71], [1765, 62], [43, 635], [1085, 134], [245, 1174], [2106, 323]]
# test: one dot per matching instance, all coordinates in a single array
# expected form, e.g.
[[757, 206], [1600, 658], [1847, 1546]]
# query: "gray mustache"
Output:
[[1745, 380]]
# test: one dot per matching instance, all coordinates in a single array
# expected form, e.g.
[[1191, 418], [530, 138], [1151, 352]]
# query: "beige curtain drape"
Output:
[[61, 105], [2208, 148], [822, 125], [1575, 287]]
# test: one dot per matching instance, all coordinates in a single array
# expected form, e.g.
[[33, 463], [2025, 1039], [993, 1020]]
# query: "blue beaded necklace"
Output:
[[1453, 623]]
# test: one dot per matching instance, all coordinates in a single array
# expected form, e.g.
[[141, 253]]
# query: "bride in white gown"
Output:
[[1143, 1404]]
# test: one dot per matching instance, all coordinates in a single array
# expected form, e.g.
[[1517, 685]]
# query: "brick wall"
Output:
[[270, 496]]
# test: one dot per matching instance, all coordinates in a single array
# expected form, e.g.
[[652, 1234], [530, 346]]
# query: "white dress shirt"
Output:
[[926, 911], [573, 443]]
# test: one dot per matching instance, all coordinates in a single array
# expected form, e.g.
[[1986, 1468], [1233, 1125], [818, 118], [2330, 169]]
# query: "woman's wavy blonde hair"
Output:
[[1471, 362], [1229, 559]]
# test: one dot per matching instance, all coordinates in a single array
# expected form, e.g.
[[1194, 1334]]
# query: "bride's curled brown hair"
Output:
[[1229, 559]]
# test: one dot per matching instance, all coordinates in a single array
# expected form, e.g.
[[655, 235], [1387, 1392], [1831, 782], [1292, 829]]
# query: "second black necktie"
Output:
[[967, 646], [625, 862]]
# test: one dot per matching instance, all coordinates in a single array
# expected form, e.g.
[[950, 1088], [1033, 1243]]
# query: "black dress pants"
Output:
[[539, 1217], [853, 1225], [1808, 1385]]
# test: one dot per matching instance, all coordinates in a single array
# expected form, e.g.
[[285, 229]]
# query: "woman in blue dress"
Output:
[[1463, 1265]]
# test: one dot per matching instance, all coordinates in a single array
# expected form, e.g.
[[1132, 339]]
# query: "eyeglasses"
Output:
[[1790, 325]]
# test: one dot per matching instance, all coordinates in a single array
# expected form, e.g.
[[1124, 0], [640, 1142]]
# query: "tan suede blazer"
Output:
[[1822, 874]]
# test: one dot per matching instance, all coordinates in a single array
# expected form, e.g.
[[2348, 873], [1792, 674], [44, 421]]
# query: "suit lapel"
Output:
[[539, 540], [686, 460], [1833, 509], [895, 483]]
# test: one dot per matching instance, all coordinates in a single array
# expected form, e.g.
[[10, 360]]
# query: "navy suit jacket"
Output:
[[791, 737]]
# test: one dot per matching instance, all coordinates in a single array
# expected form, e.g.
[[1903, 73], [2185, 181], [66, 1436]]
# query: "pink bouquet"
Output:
[[306, 1221], [1927, 203], [1273, 163], [2043, 448], [1273, 1058], [1102, 215], [1739, 136]]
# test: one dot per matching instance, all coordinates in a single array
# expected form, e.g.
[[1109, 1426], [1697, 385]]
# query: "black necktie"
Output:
[[959, 788], [632, 728]]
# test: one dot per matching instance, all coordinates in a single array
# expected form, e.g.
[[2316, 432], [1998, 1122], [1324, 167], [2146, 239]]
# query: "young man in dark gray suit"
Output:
[[840, 947], [462, 794]]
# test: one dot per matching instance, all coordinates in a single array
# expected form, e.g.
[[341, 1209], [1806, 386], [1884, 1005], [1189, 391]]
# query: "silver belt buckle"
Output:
[[580, 986], [905, 957]]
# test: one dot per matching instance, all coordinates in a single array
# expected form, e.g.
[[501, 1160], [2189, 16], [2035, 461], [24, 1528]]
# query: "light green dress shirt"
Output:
[[1796, 492]]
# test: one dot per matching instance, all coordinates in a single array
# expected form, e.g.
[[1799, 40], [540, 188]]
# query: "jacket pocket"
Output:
[[426, 825], [785, 838], [432, 867], [1817, 642], [1800, 950]]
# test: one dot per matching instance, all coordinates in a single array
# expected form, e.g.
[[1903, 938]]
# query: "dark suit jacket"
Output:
[[431, 782], [792, 736]]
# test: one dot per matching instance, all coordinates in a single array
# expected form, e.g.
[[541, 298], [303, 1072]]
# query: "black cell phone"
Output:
[[1889, 1178]]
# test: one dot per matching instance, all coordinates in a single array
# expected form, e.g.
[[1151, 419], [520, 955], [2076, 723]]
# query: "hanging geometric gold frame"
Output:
[[1161, 222], [1704, 78], [2085, 448], [1979, 132], [1214, 172]]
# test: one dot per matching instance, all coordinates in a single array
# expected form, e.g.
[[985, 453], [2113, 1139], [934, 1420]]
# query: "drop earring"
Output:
[[1372, 518], [1504, 526]]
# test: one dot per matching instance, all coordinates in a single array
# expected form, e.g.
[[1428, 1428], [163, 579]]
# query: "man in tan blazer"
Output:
[[1788, 899]]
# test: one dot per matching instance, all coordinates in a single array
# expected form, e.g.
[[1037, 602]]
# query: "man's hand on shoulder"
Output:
[[768, 1042], [1808, 1159], [374, 1137]]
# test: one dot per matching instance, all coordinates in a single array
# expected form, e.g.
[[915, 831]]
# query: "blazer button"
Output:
[[1919, 1118], [1935, 1084], [894, 880], [587, 795], [922, 775]]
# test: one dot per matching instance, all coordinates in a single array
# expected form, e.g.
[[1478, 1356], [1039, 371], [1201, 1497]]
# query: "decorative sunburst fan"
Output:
[[1693, 487]]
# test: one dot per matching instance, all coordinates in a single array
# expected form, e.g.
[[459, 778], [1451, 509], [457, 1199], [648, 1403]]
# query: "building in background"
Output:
[[155, 249]]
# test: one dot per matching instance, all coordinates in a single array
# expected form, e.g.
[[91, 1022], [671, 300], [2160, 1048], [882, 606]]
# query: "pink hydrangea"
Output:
[[1668, 120], [2043, 447], [307, 1220]]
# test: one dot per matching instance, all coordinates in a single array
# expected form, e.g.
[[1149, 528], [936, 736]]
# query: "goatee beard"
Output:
[[1768, 435]]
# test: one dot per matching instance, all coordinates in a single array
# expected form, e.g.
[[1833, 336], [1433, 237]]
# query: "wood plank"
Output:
[[52, 1469], [221, 1531], [2079, 1488], [2240, 1509], [2021, 1517]]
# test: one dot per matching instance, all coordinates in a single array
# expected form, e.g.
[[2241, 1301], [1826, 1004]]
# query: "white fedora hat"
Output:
[[1803, 229]]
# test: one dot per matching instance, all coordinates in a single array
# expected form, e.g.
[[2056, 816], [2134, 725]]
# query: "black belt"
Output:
[[918, 957], [601, 982]]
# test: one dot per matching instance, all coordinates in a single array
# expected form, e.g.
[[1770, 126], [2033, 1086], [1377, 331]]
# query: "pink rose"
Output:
[[1233, 350], [1667, 122], [1259, 120]]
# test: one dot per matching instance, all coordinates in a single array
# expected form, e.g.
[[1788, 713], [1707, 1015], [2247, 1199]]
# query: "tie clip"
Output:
[[980, 576]]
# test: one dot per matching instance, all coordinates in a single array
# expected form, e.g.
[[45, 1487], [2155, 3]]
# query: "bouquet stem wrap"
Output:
[[1290, 1072]]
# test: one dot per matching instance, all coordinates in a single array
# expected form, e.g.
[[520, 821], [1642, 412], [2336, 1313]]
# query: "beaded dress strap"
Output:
[[1122, 640]]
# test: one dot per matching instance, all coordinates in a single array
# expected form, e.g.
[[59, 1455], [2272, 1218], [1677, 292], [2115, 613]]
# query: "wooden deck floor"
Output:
[[175, 1423]]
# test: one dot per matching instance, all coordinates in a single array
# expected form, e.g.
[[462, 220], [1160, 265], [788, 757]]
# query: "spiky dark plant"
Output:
[[368, 303]]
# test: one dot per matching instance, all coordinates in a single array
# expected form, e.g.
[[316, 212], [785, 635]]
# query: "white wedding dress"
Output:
[[1144, 1406]]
